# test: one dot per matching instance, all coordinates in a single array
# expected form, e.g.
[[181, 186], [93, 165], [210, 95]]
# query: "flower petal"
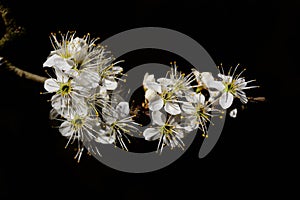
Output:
[[191, 97], [226, 100], [158, 118], [151, 134], [110, 84], [66, 129], [122, 109], [57, 61], [188, 108], [154, 86], [148, 78], [200, 98], [156, 103], [172, 108], [216, 85], [206, 78], [149, 94], [104, 138], [51, 85], [233, 113]]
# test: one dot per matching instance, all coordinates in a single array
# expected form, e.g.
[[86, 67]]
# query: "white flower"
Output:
[[233, 86], [197, 112], [118, 123], [168, 131], [207, 81], [168, 91], [85, 129], [108, 76], [69, 97]]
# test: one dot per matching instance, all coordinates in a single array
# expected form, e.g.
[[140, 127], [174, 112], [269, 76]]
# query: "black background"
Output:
[[254, 155]]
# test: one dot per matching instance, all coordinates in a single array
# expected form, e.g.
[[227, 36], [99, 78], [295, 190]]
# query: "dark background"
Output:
[[254, 155]]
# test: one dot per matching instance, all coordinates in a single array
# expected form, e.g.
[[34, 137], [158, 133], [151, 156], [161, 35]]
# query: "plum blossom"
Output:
[[167, 131], [118, 123], [85, 129], [233, 87]]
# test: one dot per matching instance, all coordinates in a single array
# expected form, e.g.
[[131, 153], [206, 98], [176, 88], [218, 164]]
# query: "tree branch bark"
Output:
[[21, 73]]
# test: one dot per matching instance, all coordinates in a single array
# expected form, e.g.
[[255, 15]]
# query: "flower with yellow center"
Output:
[[85, 129], [167, 131]]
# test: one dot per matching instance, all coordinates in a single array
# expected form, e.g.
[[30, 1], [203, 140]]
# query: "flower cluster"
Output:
[[82, 85], [178, 103]]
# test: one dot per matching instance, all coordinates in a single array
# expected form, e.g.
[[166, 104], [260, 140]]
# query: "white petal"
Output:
[[200, 98], [206, 78], [154, 86], [226, 100], [156, 103], [66, 129], [233, 113], [61, 76], [158, 118], [88, 78], [104, 137], [110, 84], [57, 61], [165, 81], [50, 62], [122, 109], [191, 97], [216, 85], [227, 79], [51, 85], [56, 102], [151, 134], [188, 108], [148, 78], [172, 108], [149, 94], [117, 69]]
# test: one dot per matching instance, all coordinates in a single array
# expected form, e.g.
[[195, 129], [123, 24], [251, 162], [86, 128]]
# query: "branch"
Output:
[[21, 73], [256, 99]]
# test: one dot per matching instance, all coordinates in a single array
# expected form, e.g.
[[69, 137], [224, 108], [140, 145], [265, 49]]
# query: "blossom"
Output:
[[85, 129], [208, 82], [168, 131], [198, 112], [233, 87], [108, 76], [118, 123], [166, 92], [69, 96]]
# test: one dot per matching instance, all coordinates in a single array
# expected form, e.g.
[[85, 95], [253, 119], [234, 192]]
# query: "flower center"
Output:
[[230, 87], [166, 96], [167, 129], [65, 88], [201, 112], [77, 122]]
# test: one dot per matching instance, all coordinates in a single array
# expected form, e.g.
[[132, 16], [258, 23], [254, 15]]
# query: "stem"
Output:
[[22, 73]]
